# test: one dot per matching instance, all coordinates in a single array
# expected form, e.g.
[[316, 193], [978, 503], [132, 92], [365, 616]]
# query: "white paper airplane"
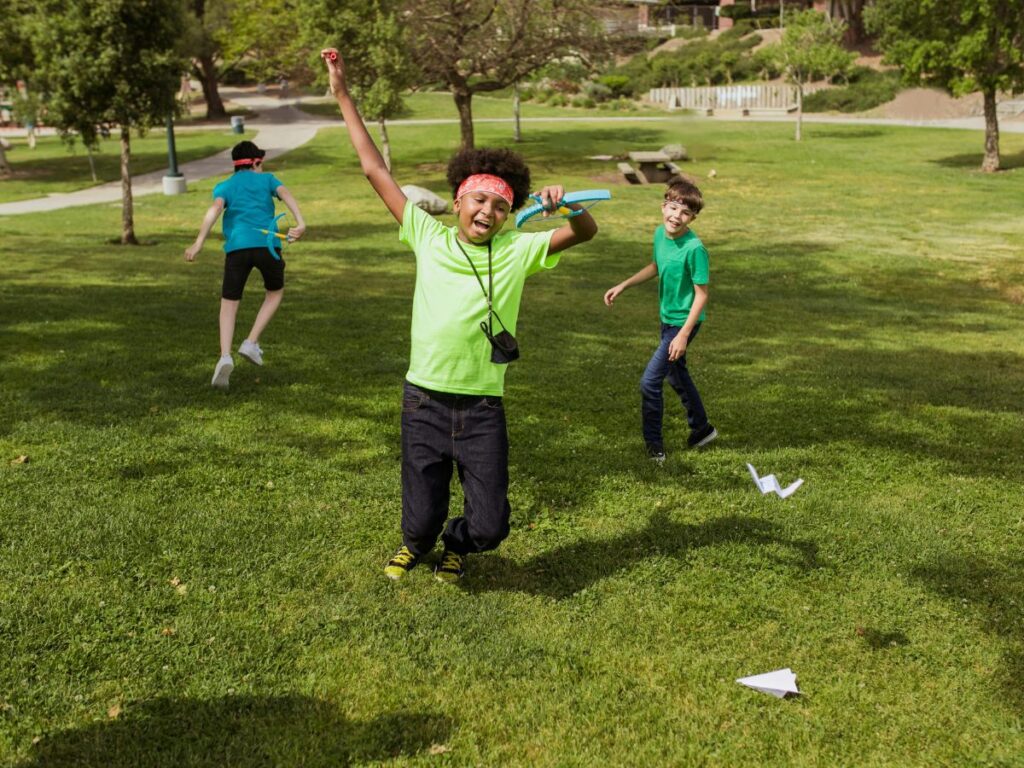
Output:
[[770, 483], [777, 683]]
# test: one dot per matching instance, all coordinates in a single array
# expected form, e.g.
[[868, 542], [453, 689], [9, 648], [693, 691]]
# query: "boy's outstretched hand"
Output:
[[613, 293], [335, 69], [192, 250]]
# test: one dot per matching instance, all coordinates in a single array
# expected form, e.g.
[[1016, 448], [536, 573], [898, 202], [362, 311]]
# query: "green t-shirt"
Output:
[[449, 351], [682, 263]]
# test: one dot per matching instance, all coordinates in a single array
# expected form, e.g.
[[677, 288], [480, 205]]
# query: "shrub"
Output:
[[565, 86], [687, 32], [557, 100], [737, 11], [867, 89], [583, 101], [597, 91], [618, 85]]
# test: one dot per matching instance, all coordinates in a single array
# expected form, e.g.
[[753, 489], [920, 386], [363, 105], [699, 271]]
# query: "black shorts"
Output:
[[238, 264]]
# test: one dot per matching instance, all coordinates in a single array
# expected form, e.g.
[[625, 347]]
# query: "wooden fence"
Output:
[[763, 96]]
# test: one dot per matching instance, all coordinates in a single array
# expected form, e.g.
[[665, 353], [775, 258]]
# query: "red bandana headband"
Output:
[[485, 182], [247, 161]]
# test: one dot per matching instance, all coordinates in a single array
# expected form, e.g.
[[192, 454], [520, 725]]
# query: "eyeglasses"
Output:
[[675, 208]]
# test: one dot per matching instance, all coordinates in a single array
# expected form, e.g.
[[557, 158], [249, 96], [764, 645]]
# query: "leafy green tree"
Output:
[[852, 13], [263, 39], [962, 46], [15, 51], [480, 46], [110, 63], [811, 48], [207, 27], [373, 42]]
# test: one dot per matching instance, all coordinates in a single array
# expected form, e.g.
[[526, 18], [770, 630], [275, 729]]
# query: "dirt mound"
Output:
[[929, 104]]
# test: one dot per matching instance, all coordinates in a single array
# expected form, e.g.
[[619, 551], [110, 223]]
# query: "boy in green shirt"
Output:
[[469, 282], [681, 264]]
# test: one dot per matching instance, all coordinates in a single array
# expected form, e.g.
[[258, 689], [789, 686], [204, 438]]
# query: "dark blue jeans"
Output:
[[441, 431], [652, 406]]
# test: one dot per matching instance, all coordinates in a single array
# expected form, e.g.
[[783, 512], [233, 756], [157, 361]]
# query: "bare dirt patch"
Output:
[[929, 104]]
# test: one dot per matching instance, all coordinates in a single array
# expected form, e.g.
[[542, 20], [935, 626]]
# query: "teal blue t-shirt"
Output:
[[682, 262], [248, 207]]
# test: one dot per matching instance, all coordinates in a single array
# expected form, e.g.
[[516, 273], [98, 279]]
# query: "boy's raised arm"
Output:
[[369, 157], [579, 229]]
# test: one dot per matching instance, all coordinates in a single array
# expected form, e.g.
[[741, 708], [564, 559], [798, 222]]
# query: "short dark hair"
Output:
[[679, 190], [246, 150], [503, 163]]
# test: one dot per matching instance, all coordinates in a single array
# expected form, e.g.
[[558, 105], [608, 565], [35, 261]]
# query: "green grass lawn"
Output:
[[437, 105], [192, 578], [54, 167]]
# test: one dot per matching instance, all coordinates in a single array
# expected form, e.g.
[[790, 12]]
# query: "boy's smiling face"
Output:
[[676, 217], [481, 216]]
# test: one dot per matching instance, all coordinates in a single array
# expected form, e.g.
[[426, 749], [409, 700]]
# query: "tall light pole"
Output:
[[174, 181]]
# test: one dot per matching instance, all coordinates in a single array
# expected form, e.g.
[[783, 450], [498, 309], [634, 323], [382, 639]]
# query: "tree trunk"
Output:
[[5, 167], [127, 214], [92, 164], [517, 134], [385, 143], [206, 71], [799, 111], [991, 162], [464, 103]]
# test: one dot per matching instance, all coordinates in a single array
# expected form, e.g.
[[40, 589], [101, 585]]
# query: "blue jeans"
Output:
[[441, 432], [652, 406]]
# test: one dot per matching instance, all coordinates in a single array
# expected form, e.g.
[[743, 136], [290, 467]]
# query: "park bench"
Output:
[[651, 166], [629, 173]]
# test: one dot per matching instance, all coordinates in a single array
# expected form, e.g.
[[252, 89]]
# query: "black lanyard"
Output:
[[489, 291]]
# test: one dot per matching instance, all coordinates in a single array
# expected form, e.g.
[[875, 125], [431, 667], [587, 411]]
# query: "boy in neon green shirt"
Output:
[[469, 282], [681, 265]]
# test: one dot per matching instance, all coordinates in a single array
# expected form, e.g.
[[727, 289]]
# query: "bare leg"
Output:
[[228, 313], [270, 304]]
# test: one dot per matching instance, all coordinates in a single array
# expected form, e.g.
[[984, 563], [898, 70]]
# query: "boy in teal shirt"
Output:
[[681, 264], [247, 201], [469, 282]]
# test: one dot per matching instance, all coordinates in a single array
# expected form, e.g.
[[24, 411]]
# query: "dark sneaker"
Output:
[[656, 453], [451, 567], [701, 437], [399, 565]]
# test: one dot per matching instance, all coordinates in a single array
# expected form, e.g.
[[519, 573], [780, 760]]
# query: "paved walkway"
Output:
[[282, 127]]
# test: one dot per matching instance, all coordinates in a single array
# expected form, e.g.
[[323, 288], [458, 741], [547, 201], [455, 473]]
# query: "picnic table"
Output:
[[653, 166]]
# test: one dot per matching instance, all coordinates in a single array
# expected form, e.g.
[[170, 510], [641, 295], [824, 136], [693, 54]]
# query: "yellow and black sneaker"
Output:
[[451, 567], [399, 565]]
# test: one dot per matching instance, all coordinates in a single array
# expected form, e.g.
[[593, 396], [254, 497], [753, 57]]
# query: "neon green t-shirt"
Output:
[[449, 351], [682, 262]]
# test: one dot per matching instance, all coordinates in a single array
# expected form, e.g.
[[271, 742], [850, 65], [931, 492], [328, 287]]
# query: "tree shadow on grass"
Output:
[[242, 731], [564, 571], [833, 133], [995, 593], [972, 160]]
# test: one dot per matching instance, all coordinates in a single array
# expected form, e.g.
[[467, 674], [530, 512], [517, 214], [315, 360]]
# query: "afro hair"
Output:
[[502, 163]]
